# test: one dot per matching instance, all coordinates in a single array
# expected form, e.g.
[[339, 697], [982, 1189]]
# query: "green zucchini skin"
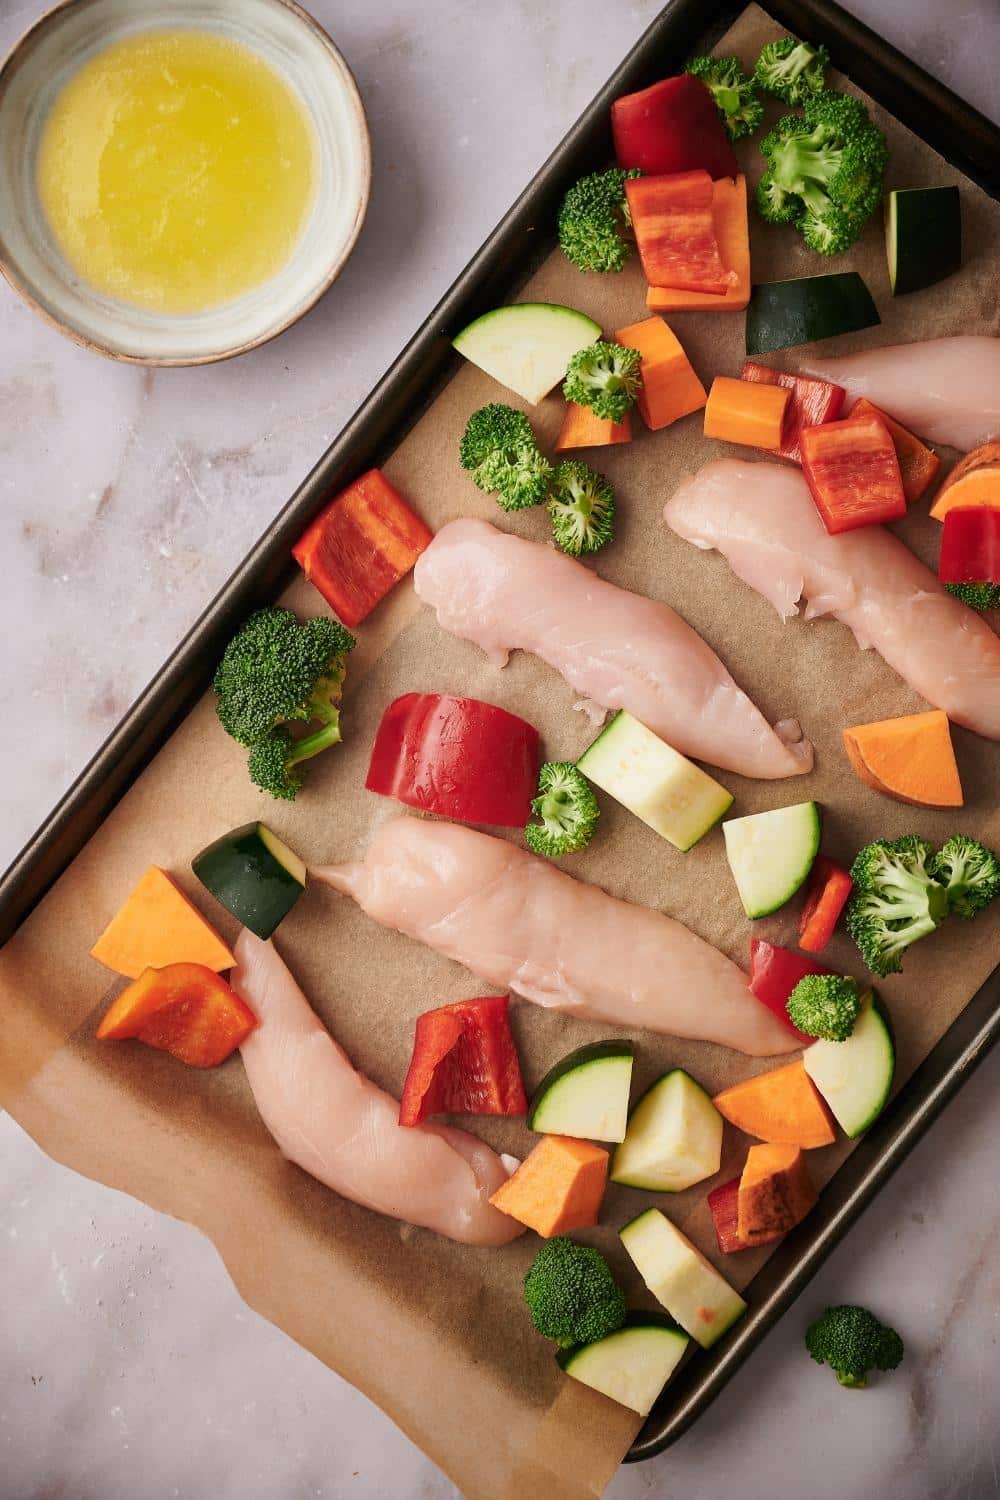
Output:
[[923, 237], [782, 314], [248, 878]]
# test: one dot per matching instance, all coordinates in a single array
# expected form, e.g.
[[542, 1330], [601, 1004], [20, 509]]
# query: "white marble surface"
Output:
[[128, 1366]]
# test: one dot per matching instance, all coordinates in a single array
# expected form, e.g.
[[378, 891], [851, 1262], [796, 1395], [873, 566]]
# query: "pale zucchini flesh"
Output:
[[527, 346], [771, 854], [680, 1277], [855, 1077], [673, 1139], [586, 1094], [632, 1365]]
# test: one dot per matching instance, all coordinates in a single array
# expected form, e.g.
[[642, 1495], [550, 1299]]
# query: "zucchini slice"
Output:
[[631, 1365], [855, 1077], [771, 854], [586, 1094], [783, 313], [252, 874], [673, 1140], [923, 237]]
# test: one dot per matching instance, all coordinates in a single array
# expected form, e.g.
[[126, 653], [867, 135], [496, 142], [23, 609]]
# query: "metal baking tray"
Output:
[[508, 257]]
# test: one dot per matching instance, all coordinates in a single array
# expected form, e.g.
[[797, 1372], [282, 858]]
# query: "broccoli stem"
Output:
[[320, 739], [852, 1382]]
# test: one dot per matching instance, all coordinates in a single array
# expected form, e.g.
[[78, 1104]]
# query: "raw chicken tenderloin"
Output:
[[946, 390], [619, 650], [343, 1129], [521, 924], [762, 519]]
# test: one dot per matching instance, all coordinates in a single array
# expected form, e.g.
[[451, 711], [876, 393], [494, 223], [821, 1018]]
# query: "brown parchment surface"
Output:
[[435, 1332]]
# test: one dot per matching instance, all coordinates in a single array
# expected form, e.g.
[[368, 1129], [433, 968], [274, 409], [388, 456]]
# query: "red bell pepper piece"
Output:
[[674, 229], [811, 403], [853, 472], [970, 545], [674, 126], [723, 1206], [826, 896], [457, 757], [184, 1009], [360, 546], [464, 1061], [774, 973]]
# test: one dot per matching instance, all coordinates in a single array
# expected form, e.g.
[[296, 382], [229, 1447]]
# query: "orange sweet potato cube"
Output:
[[558, 1187]]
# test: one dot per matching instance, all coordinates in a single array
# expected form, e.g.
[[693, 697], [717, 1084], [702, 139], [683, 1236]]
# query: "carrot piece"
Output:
[[670, 388], [740, 411], [911, 759], [184, 1009], [775, 1193], [781, 1106], [729, 210], [975, 480], [158, 925], [918, 464], [674, 226], [558, 1187], [582, 428]]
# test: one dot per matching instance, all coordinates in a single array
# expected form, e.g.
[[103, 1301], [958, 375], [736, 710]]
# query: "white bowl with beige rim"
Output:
[[41, 265]]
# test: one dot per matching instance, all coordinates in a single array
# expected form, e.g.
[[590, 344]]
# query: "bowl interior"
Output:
[[29, 83]]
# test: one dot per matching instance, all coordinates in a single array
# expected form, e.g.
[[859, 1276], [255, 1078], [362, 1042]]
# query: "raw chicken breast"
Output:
[[520, 923], [618, 650], [342, 1128], [762, 519], [945, 390]]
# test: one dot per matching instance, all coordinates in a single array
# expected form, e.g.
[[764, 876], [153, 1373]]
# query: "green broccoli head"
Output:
[[568, 810], [853, 1342], [825, 1005], [970, 874], [606, 377], [499, 449], [593, 219], [824, 171], [572, 1295], [792, 70], [830, 232], [895, 900], [978, 596], [734, 93], [581, 507]]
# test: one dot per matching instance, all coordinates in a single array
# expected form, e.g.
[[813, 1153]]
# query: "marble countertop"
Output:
[[130, 1370]]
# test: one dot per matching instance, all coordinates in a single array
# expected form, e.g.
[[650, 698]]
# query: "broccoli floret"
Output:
[[825, 1005], [582, 508], [895, 900], [734, 93], [593, 220], [568, 810], [844, 114], [275, 672], [604, 376], [792, 70], [774, 204], [830, 232], [970, 874], [978, 596], [572, 1295], [824, 170], [501, 453], [852, 1342]]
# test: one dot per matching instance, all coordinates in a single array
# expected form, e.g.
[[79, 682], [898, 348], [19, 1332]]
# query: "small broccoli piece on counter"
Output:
[[978, 596], [895, 900], [734, 93], [572, 1295], [853, 1342], [606, 377], [275, 672], [825, 1005], [792, 70], [593, 221], [970, 874], [568, 810], [581, 508], [501, 453]]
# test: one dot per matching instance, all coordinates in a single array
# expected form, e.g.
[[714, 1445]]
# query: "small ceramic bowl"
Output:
[[291, 41]]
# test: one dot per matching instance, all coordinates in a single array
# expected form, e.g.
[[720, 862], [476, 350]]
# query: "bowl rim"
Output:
[[93, 344]]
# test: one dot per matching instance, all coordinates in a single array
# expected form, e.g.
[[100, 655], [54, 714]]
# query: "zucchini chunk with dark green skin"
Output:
[[923, 237], [782, 314], [254, 875]]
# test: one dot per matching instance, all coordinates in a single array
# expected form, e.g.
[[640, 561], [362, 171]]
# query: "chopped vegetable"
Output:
[[604, 376], [582, 428], [500, 451], [791, 70], [923, 237], [896, 901], [457, 757], [970, 874], [775, 1193], [801, 311], [826, 896], [741, 411], [673, 126], [969, 564], [780, 1106], [632, 1365], [673, 1139], [360, 546], [910, 759], [568, 810], [853, 473], [464, 1062], [276, 672], [674, 225], [771, 854], [854, 1077], [593, 221], [774, 973], [825, 1005], [670, 388], [184, 1009], [527, 346], [157, 926], [254, 875], [918, 464], [729, 214], [723, 1205], [734, 93], [680, 1277], [572, 1294], [853, 1342], [581, 508], [586, 1093], [558, 1187], [811, 403], [974, 481]]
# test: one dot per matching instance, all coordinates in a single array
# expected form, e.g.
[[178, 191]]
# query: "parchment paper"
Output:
[[436, 1333]]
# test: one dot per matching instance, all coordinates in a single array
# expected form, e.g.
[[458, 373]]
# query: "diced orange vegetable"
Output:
[[775, 1193], [582, 428], [184, 1009], [670, 388], [558, 1187], [740, 411], [729, 209], [918, 464], [158, 925], [911, 759], [674, 228], [781, 1106], [975, 480]]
